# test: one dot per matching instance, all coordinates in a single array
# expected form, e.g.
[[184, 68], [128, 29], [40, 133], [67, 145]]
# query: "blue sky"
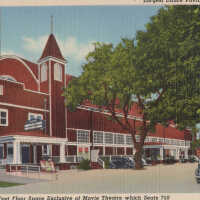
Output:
[[26, 29]]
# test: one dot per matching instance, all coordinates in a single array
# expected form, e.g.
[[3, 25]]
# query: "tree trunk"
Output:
[[138, 158]]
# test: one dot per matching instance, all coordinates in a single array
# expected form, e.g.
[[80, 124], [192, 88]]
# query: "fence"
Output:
[[23, 168]]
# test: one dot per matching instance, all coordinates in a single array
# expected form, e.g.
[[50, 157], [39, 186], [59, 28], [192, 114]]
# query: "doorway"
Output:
[[25, 149]]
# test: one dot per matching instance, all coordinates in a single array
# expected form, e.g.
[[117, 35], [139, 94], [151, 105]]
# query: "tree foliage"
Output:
[[159, 71]]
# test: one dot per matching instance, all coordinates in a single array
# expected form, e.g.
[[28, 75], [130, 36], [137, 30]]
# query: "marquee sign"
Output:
[[35, 124]]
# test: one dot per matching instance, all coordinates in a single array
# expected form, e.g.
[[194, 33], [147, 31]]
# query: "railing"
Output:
[[24, 168], [6, 161], [55, 159], [67, 159], [101, 162], [109, 157]]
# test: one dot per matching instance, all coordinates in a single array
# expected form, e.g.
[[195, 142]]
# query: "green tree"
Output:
[[111, 80], [169, 48], [160, 73]]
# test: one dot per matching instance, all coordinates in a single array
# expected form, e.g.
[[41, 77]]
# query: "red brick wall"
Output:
[[71, 135], [120, 151], [108, 150], [129, 151], [17, 118], [72, 150], [15, 94], [57, 103], [55, 150], [17, 70]]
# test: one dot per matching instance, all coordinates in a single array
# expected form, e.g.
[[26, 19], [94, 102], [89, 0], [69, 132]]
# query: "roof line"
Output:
[[21, 60]]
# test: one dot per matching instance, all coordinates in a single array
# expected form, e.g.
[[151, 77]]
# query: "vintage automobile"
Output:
[[197, 174], [122, 163]]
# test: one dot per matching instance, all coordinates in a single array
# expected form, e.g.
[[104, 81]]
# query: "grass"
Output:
[[8, 184]]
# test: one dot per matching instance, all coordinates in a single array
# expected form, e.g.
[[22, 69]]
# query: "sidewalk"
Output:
[[17, 178]]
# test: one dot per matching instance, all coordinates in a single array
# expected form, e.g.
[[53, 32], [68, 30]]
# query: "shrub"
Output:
[[106, 162], [84, 164]]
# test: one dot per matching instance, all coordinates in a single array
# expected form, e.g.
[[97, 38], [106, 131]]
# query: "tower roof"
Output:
[[52, 49]]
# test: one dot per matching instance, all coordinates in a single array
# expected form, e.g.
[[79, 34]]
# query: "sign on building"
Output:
[[35, 124]]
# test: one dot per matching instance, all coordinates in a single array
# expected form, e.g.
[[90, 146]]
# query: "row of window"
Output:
[[168, 141], [57, 72], [115, 138]]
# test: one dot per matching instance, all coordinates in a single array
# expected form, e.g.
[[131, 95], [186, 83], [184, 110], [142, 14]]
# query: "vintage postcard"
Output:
[[99, 102]]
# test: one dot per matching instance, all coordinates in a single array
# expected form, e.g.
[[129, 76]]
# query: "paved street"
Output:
[[177, 178]]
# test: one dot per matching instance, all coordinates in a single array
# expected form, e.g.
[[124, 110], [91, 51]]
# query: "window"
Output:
[[129, 139], [83, 136], [44, 72], [118, 139], [98, 137], [3, 117], [45, 150], [137, 138], [32, 116], [9, 151], [57, 72], [1, 151], [161, 139], [154, 139], [1, 89], [108, 138]]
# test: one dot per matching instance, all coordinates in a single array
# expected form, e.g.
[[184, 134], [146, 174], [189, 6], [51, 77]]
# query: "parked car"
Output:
[[191, 159], [195, 158], [121, 163], [197, 175], [183, 160], [169, 160]]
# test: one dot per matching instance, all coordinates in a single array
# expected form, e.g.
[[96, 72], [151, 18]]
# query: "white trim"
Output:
[[32, 139], [50, 100], [65, 118], [43, 74], [8, 77], [23, 85], [23, 107], [39, 77], [19, 59], [57, 72], [52, 59], [37, 92], [6, 111], [77, 129], [107, 113], [1, 90]]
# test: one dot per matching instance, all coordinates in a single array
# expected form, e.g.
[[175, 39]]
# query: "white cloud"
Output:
[[70, 47], [11, 52], [35, 45], [73, 49]]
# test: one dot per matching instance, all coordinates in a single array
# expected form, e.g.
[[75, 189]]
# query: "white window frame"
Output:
[[58, 72], [96, 136], [129, 140], [10, 145], [43, 72], [6, 111], [83, 133], [47, 153], [108, 134], [35, 115], [1, 90], [2, 146]]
